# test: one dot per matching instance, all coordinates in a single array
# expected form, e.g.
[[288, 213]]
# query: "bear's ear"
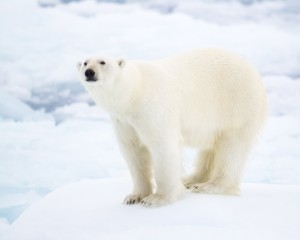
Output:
[[78, 65], [121, 62]]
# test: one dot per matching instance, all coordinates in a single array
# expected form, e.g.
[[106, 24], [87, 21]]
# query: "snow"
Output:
[[14, 109], [92, 209], [52, 135]]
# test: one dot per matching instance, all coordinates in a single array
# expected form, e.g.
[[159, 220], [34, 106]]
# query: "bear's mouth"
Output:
[[92, 79]]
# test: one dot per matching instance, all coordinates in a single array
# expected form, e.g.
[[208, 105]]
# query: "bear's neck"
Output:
[[120, 100]]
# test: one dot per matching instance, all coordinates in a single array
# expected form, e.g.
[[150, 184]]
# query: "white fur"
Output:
[[207, 99]]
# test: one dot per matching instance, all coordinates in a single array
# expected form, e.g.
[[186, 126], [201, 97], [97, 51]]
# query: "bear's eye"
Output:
[[102, 62], [85, 64]]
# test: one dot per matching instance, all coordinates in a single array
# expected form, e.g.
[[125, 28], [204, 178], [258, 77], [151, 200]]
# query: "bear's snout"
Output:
[[89, 73]]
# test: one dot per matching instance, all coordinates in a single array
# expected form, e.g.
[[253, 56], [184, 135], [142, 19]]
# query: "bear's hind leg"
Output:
[[231, 150]]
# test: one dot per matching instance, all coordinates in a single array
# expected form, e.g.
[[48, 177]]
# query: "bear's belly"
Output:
[[199, 134]]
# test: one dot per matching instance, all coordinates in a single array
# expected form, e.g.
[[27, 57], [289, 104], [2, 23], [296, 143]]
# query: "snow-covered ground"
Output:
[[51, 134], [91, 210]]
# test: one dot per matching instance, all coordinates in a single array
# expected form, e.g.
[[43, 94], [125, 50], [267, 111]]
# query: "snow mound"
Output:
[[92, 209], [12, 108]]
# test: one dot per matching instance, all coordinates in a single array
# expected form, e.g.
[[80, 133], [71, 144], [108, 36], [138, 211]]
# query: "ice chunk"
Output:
[[12, 108]]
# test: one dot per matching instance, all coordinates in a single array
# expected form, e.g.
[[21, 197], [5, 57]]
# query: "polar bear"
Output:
[[207, 99]]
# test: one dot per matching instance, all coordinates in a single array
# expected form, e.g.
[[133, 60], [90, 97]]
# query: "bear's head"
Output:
[[110, 82], [100, 71]]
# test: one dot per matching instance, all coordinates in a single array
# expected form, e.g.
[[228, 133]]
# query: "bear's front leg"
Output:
[[138, 161], [166, 155]]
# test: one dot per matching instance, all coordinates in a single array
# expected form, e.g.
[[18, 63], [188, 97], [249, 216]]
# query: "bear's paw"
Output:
[[155, 200], [214, 188], [133, 199]]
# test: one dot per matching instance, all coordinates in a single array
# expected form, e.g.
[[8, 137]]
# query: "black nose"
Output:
[[89, 73]]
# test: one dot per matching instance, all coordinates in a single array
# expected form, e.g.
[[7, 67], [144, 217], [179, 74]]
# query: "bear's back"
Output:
[[220, 86]]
